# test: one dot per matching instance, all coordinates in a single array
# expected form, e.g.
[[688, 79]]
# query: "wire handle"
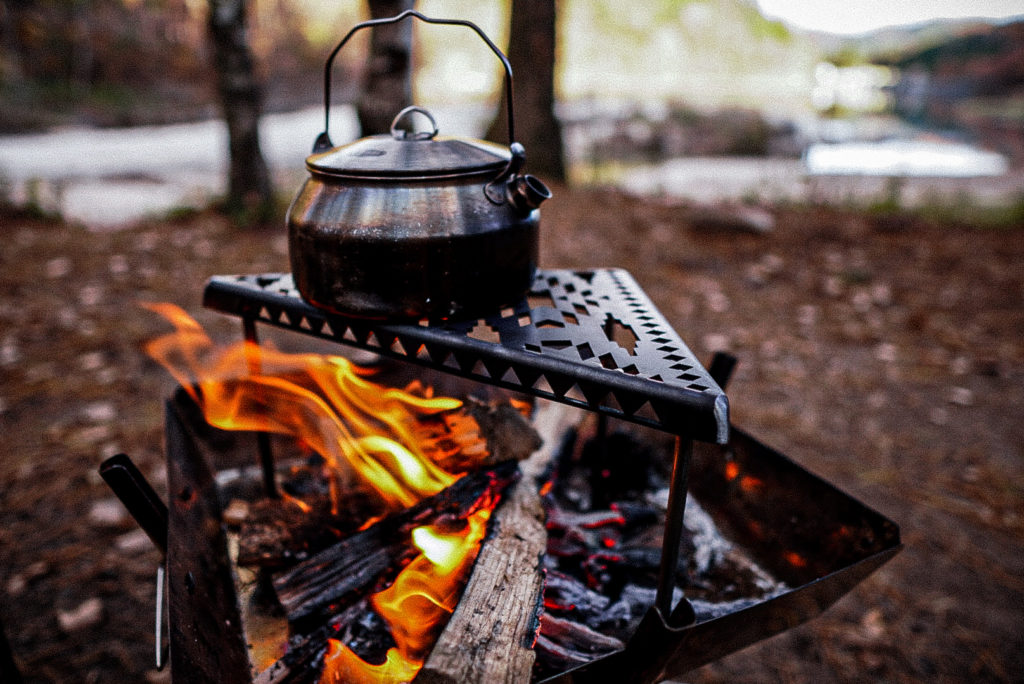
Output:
[[323, 141]]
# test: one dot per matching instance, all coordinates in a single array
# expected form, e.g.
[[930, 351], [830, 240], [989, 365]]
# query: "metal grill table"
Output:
[[591, 339]]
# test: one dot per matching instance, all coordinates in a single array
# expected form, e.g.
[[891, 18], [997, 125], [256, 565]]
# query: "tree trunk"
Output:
[[250, 192], [387, 83], [531, 51]]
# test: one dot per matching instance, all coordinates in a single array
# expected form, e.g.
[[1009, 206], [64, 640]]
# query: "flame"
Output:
[[416, 606], [355, 424], [380, 434]]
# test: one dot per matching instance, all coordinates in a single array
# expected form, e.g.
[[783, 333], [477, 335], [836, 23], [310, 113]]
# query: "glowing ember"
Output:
[[323, 401]]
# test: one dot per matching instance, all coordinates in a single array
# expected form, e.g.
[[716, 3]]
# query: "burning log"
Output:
[[276, 535], [375, 555], [490, 636], [480, 434]]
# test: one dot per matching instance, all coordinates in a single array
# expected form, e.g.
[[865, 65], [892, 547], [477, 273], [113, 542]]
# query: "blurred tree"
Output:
[[387, 83], [250, 192], [531, 51]]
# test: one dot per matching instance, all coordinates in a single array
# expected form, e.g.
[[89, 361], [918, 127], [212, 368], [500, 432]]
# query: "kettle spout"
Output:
[[526, 192], [522, 192]]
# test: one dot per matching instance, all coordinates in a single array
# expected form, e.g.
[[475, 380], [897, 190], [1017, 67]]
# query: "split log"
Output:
[[490, 636], [486, 432], [318, 586]]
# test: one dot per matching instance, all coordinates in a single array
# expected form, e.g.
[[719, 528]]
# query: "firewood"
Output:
[[489, 638], [303, 660], [485, 432], [373, 556]]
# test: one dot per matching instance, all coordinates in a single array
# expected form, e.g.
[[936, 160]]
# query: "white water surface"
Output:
[[106, 178]]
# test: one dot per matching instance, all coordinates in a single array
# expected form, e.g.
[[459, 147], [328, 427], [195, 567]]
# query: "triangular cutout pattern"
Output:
[[610, 402], [511, 378], [560, 383], [410, 347], [361, 334], [495, 368], [576, 393], [438, 355], [465, 361], [527, 376], [542, 385], [593, 393], [646, 411], [667, 413], [630, 401]]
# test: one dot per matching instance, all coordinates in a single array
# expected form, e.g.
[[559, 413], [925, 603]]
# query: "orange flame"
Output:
[[416, 606], [356, 425]]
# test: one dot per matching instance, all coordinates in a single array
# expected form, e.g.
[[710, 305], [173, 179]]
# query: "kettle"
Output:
[[414, 225]]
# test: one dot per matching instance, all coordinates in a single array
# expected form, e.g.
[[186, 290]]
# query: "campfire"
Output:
[[336, 523], [382, 518]]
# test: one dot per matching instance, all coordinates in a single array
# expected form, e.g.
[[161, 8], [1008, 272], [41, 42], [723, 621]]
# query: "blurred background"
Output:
[[833, 191], [97, 93]]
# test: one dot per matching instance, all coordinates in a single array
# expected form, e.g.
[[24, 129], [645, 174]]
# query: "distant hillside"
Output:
[[965, 75], [973, 81]]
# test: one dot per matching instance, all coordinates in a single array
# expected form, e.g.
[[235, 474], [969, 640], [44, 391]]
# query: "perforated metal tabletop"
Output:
[[590, 338]]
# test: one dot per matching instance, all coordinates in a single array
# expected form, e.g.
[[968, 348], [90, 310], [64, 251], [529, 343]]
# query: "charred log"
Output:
[[374, 556], [564, 644]]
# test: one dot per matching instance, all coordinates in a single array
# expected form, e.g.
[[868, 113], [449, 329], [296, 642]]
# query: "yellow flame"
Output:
[[440, 549], [359, 426], [321, 400], [415, 607]]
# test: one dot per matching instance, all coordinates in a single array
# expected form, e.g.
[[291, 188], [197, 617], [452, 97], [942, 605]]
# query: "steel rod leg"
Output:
[[262, 438], [673, 527]]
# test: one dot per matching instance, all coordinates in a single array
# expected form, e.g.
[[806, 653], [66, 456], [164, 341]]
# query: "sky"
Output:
[[859, 16]]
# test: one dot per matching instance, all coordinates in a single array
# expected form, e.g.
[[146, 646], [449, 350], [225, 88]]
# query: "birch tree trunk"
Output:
[[250, 191]]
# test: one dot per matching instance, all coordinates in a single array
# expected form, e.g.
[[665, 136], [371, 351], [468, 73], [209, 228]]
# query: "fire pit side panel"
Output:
[[207, 644]]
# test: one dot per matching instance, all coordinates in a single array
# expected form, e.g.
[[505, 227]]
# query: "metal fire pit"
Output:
[[590, 339], [804, 532]]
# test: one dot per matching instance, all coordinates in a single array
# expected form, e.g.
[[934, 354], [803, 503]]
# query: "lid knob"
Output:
[[408, 133]]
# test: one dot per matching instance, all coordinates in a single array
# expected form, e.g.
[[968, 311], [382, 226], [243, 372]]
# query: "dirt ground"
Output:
[[882, 352]]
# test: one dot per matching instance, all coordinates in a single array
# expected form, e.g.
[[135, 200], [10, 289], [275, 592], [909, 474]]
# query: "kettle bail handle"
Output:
[[323, 141]]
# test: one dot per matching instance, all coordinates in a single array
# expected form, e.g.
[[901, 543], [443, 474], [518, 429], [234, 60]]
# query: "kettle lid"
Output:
[[406, 155]]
